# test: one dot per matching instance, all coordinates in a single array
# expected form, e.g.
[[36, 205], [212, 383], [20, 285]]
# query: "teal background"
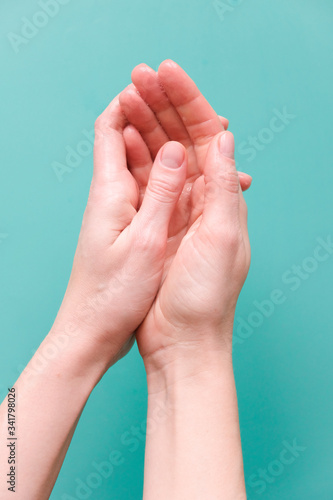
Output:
[[260, 56]]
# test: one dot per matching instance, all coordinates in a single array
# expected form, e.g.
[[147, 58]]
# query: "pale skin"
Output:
[[186, 337], [163, 252]]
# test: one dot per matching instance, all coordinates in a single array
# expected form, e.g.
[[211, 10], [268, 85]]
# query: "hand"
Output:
[[116, 273], [120, 255], [188, 330], [208, 251], [196, 302]]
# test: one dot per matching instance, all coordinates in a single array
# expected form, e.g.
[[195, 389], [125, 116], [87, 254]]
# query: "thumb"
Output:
[[222, 185], [166, 182]]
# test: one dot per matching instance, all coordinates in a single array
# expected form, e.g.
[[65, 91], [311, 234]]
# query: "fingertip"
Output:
[[224, 121], [129, 100], [129, 90], [140, 69], [166, 66], [226, 144], [139, 66], [173, 155], [169, 62], [144, 79], [126, 94], [245, 180], [130, 131]]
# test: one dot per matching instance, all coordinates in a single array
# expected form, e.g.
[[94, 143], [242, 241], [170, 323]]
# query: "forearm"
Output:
[[50, 396], [193, 450]]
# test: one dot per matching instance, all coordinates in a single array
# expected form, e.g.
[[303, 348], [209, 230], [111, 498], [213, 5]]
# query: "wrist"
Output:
[[192, 409], [189, 360], [77, 348], [92, 322], [62, 365]]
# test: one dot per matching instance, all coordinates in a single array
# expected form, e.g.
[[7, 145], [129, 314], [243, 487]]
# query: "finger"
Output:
[[245, 180], [143, 118], [198, 196], [222, 187], [109, 147], [146, 81], [165, 185], [199, 118], [138, 156], [224, 121], [113, 189]]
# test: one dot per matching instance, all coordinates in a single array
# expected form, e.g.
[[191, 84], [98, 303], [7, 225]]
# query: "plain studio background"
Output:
[[267, 67]]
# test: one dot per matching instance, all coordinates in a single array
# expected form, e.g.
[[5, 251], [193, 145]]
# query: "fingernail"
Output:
[[227, 144], [172, 155]]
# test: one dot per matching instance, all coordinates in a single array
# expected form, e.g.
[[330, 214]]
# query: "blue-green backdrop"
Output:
[[254, 60]]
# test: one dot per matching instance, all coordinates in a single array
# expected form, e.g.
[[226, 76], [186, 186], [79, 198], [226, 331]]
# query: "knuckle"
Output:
[[147, 239], [231, 238], [147, 125], [227, 177], [212, 189], [230, 180], [163, 190]]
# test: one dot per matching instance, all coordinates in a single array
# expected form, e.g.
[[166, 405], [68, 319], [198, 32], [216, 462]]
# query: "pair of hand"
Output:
[[164, 249]]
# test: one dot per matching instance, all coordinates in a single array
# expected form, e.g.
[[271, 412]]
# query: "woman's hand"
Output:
[[194, 309], [120, 255], [208, 252], [116, 273], [185, 340]]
